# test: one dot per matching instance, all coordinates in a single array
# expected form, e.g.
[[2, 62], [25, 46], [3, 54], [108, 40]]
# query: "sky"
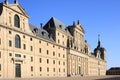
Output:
[[97, 17]]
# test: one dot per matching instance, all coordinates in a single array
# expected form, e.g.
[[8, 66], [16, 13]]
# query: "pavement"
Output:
[[112, 77]]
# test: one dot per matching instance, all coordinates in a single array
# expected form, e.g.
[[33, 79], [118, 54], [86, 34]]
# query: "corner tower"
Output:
[[99, 51]]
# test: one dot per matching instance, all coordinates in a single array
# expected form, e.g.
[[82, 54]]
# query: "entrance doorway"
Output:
[[17, 70]]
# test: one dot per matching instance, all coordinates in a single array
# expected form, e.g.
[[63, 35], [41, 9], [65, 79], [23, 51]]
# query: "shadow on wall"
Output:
[[112, 78]]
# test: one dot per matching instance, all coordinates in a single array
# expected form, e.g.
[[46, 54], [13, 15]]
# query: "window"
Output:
[[17, 55], [47, 61], [53, 69], [53, 53], [31, 68], [63, 63], [58, 41], [59, 69], [58, 34], [47, 44], [31, 48], [10, 32], [0, 54], [31, 59], [30, 39], [17, 41], [24, 56], [24, 46], [47, 52], [0, 67], [47, 69], [40, 69], [10, 43], [59, 55], [63, 70], [40, 60], [59, 62], [39, 50], [23, 36], [10, 54], [0, 41], [40, 42], [17, 21], [63, 42], [53, 61], [63, 56]]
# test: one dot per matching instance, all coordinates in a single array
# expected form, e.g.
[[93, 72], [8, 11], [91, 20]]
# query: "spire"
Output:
[[6, 1], [78, 22], [99, 45], [16, 1]]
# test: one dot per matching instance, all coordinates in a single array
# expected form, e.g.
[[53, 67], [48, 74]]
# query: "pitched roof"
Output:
[[40, 32], [57, 24]]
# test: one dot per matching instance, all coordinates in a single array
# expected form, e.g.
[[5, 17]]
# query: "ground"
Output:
[[113, 77]]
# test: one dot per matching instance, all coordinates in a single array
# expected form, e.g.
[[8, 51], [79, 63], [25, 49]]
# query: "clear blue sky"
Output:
[[97, 17]]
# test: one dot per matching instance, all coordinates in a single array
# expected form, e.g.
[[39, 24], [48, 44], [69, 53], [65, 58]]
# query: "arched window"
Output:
[[17, 21], [17, 41]]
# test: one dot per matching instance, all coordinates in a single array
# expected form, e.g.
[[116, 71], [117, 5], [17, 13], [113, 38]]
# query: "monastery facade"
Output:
[[53, 50]]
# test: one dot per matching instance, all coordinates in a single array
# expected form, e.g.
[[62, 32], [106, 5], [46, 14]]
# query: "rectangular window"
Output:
[[31, 68], [17, 55], [30, 39], [53, 69], [59, 69], [63, 56], [24, 46], [0, 54], [39, 50], [53, 61], [31, 59], [10, 43], [59, 55], [53, 53], [0, 67], [31, 48], [10, 54], [24, 56], [47, 52], [40, 69], [47, 61], [47, 69], [0, 41], [40, 60], [59, 62], [10, 32]]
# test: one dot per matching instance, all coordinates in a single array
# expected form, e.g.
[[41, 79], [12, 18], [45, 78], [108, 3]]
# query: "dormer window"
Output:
[[60, 26], [17, 21]]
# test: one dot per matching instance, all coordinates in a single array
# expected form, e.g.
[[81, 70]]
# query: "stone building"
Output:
[[53, 50]]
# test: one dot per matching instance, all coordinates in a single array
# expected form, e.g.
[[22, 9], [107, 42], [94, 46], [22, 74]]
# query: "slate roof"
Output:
[[57, 24], [40, 32]]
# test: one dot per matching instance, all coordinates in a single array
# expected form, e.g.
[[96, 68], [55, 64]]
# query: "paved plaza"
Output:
[[113, 77]]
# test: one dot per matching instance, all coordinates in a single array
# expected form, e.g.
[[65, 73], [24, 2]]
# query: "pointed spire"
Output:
[[16, 1], [99, 45], [41, 25], [78, 22], [6, 1]]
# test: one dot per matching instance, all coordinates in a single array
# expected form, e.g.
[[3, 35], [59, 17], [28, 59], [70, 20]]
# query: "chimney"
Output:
[[41, 25], [15, 1], [6, 1]]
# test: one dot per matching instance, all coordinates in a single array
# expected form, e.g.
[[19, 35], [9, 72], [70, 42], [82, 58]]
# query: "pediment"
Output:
[[18, 9]]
